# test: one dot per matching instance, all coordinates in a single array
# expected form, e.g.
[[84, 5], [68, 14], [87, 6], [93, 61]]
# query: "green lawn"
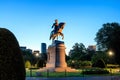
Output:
[[67, 74], [54, 74]]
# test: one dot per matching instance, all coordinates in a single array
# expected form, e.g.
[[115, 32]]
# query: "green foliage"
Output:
[[113, 66], [108, 35], [41, 63], [89, 54], [108, 38], [67, 57], [73, 63], [95, 71], [99, 63], [44, 56], [86, 63], [99, 55], [78, 52], [11, 61], [27, 56], [79, 64], [27, 64]]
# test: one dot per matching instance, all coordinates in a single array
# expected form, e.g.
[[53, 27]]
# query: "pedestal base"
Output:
[[56, 58], [57, 69]]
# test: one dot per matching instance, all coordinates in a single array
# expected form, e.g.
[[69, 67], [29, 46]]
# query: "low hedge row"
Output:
[[95, 71]]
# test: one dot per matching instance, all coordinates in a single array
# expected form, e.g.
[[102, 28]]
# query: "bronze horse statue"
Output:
[[54, 34]]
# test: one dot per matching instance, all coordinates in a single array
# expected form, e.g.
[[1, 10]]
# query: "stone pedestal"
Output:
[[56, 58], [56, 55]]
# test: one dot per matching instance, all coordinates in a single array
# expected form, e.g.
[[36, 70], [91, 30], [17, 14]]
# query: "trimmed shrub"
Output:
[[27, 64], [86, 63], [11, 61], [95, 71], [78, 64], [100, 63]]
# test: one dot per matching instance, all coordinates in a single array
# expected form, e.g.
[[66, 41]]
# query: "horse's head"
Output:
[[61, 25]]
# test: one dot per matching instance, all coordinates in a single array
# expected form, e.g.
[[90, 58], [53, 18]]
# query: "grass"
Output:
[[67, 74], [54, 74]]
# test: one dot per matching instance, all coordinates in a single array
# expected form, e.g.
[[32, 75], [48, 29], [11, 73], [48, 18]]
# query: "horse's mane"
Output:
[[61, 24]]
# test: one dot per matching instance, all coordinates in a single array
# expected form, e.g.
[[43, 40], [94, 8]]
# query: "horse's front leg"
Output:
[[62, 35], [50, 36]]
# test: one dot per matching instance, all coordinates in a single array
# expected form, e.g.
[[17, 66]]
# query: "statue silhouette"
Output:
[[57, 30]]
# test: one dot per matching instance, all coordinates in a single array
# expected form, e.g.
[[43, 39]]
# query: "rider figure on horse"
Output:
[[56, 26]]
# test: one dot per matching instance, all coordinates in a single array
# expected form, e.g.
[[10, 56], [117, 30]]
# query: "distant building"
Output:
[[36, 51], [29, 50], [43, 48], [92, 47], [24, 48]]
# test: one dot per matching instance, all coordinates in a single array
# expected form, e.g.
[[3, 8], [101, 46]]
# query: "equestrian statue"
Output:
[[57, 31]]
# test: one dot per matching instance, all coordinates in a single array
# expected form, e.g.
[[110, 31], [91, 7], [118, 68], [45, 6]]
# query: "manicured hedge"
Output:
[[11, 60], [79, 64], [95, 71]]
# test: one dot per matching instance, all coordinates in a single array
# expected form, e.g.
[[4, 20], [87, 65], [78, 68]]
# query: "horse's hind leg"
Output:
[[54, 37]]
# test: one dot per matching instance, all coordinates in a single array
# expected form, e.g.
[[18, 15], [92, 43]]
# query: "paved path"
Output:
[[78, 78]]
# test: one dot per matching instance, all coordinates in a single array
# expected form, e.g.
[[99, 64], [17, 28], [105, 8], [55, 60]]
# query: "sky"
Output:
[[31, 20]]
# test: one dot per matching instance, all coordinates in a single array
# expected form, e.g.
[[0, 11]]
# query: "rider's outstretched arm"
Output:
[[53, 25]]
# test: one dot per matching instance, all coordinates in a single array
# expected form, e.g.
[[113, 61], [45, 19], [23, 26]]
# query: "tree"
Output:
[[99, 55], [44, 56], [78, 51], [28, 56], [41, 63], [42, 60], [11, 60], [67, 57], [108, 38], [89, 54]]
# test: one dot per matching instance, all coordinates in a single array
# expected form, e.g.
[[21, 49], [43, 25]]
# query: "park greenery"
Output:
[[83, 72], [108, 39], [90, 62], [80, 57]]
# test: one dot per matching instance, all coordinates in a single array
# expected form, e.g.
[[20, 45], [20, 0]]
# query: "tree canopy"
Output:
[[78, 51], [108, 38]]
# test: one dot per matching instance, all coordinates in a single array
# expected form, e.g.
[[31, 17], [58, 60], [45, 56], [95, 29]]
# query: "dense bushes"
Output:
[[99, 63], [78, 64], [11, 61]]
